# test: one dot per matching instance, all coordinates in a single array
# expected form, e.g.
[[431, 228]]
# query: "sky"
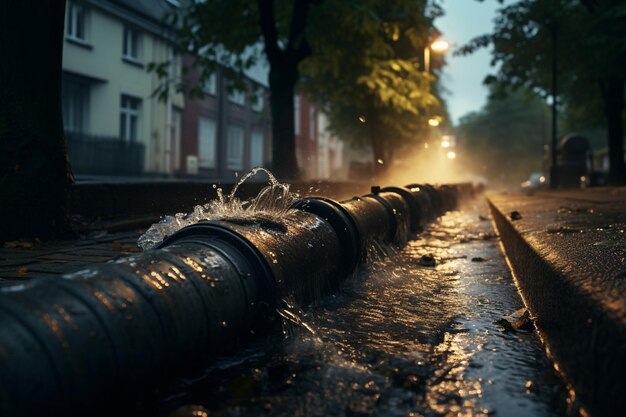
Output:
[[463, 75]]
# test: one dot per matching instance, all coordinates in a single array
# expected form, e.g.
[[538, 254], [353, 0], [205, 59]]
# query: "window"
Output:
[[173, 150], [237, 97], [176, 65], [210, 85], [76, 22], [75, 98], [129, 118], [312, 123], [206, 143], [234, 148], [257, 105], [131, 49], [296, 115], [256, 149]]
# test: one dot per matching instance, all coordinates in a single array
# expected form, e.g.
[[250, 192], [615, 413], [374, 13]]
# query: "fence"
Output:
[[102, 155]]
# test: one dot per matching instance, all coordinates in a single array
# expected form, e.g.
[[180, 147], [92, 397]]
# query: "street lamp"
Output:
[[439, 46], [448, 141], [434, 122]]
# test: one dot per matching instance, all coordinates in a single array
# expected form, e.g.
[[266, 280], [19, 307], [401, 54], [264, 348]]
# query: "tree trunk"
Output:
[[34, 170], [282, 88], [614, 110]]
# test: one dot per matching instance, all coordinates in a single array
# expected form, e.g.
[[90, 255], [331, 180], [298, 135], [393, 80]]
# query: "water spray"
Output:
[[77, 341]]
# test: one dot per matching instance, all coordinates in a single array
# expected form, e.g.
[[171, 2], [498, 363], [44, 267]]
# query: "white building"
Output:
[[330, 151], [110, 113]]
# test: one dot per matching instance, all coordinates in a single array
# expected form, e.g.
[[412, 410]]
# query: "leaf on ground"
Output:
[[24, 244], [427, 261], [523, 324], [126, 249], [97, 235]]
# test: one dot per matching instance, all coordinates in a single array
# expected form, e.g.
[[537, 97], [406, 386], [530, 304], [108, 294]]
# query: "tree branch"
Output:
[[267, 20]]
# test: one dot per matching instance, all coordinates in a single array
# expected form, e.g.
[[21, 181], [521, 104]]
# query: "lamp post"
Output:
[[439, 46], [554, 171]]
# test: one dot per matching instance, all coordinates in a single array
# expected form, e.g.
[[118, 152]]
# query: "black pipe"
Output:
[[71, 342], [350, 239], [104, 332], [417, 210]]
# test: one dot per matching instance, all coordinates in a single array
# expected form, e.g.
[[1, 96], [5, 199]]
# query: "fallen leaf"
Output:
[[427, 260], [26, 244], [127, 249], [523, 324]]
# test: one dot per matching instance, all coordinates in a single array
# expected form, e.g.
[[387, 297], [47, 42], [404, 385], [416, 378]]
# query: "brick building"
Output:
[[225, 133]]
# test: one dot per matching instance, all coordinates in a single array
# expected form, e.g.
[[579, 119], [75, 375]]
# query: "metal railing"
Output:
[[104, 155]]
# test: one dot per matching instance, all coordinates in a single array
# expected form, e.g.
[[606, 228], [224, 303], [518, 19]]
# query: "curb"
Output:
[[587, 344]]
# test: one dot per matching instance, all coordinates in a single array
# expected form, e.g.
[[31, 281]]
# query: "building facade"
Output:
[[225, 133], [114, 125], [319, 153]]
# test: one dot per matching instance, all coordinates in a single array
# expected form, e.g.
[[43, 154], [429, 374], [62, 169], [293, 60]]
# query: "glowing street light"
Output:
[[439, 46], [434, 122], [448, 141], [451, 155]]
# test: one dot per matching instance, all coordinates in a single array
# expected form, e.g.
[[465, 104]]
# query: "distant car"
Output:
[[535, 180]]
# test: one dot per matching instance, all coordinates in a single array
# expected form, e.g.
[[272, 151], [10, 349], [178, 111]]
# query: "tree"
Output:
[[591, 53], [516, 124], [379, 95], [228, 34], [35, 177], [318, 40]]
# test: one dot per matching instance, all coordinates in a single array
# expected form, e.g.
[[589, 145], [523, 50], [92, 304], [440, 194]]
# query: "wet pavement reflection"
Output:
[[403, 337]]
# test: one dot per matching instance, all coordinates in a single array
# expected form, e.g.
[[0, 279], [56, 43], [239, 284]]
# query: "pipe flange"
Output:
[[217, 235], [342, 223]]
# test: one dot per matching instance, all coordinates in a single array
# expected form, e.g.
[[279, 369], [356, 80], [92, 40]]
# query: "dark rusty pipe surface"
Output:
[[115, 329]]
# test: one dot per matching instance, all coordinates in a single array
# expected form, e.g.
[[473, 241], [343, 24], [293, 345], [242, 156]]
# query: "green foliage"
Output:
[[507, 136], [366, 70], [591, 47], [363, 50]]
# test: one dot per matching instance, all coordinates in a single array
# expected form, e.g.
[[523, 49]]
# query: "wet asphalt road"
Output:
[[401, 338]]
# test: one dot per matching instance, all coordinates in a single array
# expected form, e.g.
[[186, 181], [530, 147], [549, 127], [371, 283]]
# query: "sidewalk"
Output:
[[23, 260], [568, 252]]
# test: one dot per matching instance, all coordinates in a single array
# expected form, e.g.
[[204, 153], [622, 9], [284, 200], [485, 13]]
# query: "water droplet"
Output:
[[273, 202]]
